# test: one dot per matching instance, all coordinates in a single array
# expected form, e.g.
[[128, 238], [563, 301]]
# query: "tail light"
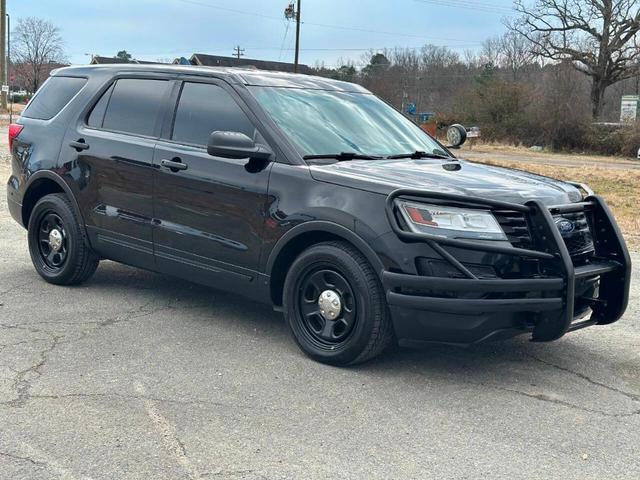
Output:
[[14, 131]]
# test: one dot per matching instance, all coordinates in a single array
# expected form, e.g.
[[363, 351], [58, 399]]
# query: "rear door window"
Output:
[[53, 96], [204, 108], [135, 105]]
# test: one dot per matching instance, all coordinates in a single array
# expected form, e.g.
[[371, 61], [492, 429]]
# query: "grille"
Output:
[[515, 228], [579, 241]]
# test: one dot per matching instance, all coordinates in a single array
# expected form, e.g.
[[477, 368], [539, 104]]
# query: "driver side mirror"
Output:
[[236, 145]]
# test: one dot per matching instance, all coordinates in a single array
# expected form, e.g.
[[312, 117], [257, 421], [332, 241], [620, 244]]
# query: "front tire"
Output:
[[57, 243], [335, 305]]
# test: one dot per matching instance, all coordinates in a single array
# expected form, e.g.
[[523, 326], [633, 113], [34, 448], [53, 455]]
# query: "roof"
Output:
[[242, 76], [205, 60], [98, 60]]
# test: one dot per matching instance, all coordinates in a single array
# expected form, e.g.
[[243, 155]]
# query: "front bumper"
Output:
[[558, 297]]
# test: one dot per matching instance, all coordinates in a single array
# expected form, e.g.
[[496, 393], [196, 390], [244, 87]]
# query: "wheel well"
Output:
[[289, 253], [36, 191]]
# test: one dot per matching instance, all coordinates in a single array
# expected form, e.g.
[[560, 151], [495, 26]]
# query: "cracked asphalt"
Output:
[[141, 376]]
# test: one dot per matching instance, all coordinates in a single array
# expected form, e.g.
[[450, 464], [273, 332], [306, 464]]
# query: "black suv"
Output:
[[310, 194]]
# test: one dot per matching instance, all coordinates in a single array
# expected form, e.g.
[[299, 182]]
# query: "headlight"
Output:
[[451, 221]]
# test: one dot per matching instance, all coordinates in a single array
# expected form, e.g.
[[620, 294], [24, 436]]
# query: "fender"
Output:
[[328, 227], [50, 175]]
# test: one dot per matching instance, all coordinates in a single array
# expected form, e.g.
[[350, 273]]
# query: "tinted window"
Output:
[[205, 108], [53, 96], [135, 105], [97, 114]]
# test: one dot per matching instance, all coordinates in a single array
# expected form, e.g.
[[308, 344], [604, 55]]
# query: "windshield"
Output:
[[326, 122]]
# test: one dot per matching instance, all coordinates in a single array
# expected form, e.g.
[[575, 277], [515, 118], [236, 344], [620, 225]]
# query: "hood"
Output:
[[458, 177]]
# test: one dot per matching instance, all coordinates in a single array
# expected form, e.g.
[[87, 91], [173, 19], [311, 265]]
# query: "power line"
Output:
[[284, 39], [232, 10], [323, 25], [469, 5]]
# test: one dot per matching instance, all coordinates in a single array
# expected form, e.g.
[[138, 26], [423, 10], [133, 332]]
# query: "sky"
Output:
[[331, 30]]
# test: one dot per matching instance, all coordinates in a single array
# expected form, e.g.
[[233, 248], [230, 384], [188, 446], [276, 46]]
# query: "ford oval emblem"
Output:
[[565, 226]]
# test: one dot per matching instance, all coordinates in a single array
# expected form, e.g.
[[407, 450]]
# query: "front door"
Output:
[[209, 212], [113, 150]]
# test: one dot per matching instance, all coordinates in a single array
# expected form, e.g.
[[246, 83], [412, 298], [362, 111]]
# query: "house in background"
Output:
[[98, 60], [22, 77], [205, 60]]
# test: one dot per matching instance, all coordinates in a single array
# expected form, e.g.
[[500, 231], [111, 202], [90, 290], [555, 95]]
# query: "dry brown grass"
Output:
[[620, 188], [500, 148]]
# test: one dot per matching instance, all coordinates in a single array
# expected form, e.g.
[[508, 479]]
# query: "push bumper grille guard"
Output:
[[611, 264]]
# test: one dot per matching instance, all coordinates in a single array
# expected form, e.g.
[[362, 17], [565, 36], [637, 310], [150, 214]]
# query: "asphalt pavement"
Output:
[[136, 375]]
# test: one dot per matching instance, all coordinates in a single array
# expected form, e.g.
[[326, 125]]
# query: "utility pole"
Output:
[[238, 52], [3, 50], [295, 63], [8, 73], [291, 13]]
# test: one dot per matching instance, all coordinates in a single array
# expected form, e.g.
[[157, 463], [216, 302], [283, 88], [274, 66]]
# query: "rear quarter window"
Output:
[[53, 96]]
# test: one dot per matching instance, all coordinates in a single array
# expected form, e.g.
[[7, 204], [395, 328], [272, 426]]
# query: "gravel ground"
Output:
[[140, 376]]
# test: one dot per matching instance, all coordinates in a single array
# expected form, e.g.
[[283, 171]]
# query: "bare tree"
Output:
[[599, 37], [491, 52], [37, 46], [517, 53]]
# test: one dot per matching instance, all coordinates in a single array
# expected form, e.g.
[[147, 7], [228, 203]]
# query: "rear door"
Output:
[[210, 214], [113, 150]]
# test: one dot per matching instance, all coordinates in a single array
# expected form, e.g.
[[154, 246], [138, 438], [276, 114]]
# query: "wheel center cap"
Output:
[[55, 239], [330, 304]]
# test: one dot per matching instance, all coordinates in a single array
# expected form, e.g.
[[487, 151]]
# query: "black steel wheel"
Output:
[[335, 305], [52, 240], [327, 305], [57, 243]]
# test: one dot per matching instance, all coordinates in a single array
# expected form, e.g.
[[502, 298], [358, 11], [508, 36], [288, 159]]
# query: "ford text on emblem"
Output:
[[565, 226]]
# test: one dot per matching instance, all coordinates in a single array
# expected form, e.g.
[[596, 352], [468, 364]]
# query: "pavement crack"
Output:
[[14, 287], [22, 382], [546, 398], [139, 397], [22, 459], [632, 396], [168, 434], [231, 473], [132, 314]]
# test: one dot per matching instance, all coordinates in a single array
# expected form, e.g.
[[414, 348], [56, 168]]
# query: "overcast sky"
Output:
[[331, 29]]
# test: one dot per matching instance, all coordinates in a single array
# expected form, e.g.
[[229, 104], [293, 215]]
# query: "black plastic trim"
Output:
[[473, 306], [399, 280], [611, 266]]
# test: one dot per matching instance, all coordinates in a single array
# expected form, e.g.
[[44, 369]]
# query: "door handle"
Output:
[[79, 145], [174, 165]]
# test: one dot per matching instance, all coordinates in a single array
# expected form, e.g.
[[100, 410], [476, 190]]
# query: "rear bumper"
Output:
[[15, 207], [560, 298]]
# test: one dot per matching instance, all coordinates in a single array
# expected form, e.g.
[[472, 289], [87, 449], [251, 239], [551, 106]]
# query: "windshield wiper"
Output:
[[343, 156], [418, 155]]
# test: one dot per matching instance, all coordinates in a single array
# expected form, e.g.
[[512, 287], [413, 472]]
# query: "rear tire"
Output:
[[335, 305], [57, 243]]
